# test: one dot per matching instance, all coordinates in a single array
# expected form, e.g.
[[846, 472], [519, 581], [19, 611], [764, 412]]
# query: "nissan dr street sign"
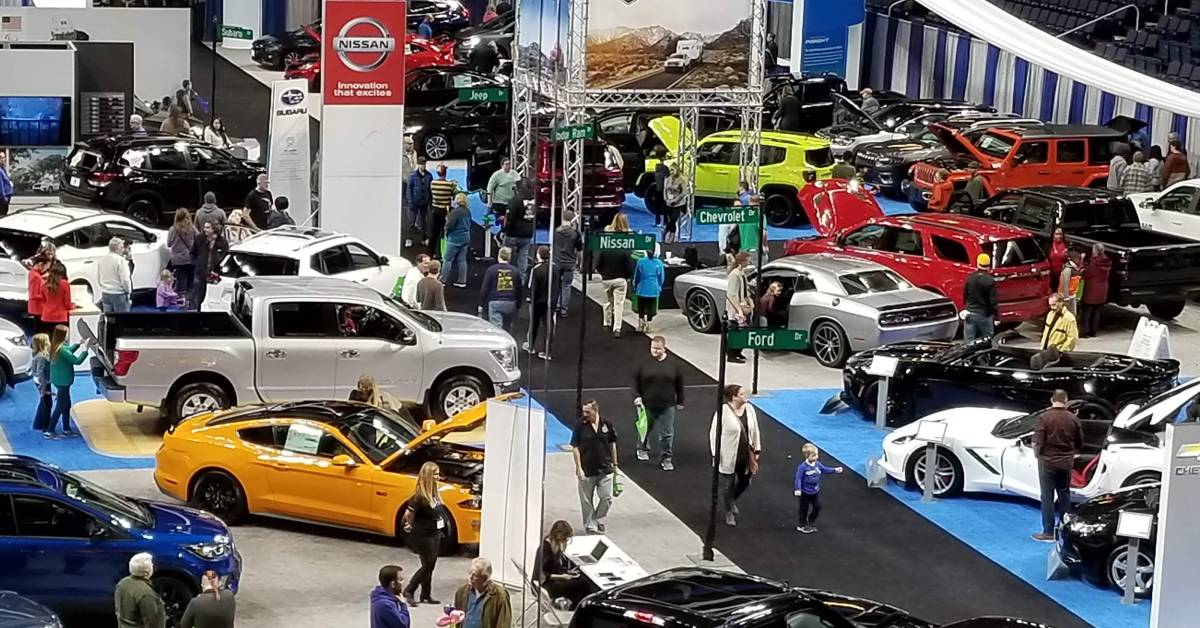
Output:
[[363, 60]]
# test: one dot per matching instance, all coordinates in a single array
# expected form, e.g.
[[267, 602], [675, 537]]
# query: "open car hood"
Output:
[[1125, 124], [668, 130], [955, 143], [464, 421], [831, 207]]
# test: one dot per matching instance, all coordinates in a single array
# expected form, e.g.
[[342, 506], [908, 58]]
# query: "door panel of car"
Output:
[[148, 253], [366, 267], [717, 169], [428, 89], [306, 484], [373, 343], [1030, 165], [218, 172], [80, 249], [296, 355], [1019, 468], [175, 180]]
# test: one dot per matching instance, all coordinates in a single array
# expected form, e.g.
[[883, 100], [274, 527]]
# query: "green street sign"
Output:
[[574, 132], [727, 215], [483, 94], [762, 338], [236, 32], [628, 242]]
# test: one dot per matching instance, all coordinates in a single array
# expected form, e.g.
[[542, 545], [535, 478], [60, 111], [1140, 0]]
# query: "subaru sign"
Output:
[[292, 97]]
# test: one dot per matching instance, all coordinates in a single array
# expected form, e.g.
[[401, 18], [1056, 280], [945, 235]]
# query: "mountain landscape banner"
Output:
[[668, 44], [543, 27]]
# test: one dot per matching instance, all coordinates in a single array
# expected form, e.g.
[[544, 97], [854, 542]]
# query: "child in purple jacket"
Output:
[[808, 487], [165, 296]]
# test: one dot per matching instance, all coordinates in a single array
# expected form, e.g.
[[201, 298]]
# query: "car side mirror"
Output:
[[1149, 204], [383, 260], [150, 237], [408, 337], [343, 460], [98, 532]]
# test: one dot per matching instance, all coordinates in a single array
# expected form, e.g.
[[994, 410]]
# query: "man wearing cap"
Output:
[[979, 301]]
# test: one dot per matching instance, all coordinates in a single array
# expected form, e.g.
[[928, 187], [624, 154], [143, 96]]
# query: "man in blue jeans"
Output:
[[518, 225], [501, 291], [567, 245], [458, 241], [658, 384]]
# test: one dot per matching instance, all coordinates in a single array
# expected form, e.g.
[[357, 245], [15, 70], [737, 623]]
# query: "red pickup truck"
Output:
[[934, 252]]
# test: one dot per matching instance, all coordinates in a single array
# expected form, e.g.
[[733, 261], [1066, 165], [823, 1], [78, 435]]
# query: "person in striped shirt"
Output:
[[441, 190]]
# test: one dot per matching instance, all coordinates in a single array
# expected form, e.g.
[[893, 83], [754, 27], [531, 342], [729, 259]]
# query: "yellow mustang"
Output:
[[338, 463]]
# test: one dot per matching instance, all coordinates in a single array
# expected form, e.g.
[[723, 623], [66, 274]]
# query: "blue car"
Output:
[[19, 612], [65, 542]]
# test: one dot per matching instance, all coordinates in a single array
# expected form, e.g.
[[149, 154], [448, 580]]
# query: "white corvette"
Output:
[[991, 451]]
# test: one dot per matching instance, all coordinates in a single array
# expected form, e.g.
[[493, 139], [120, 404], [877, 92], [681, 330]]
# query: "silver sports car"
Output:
[[846, 304]]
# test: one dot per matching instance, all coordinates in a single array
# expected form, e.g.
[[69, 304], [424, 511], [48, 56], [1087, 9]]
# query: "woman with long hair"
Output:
[[741, 445], [180, 239], [41, 379], [56, 298], [215, 134], [208, 251], [616, 269], [64, 357], [424, 523], [366, 391], [214, 607], [556, 574], [176, 122]]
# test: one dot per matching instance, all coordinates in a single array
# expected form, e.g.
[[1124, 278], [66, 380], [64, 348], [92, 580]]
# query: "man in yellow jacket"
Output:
[[1061, 331]]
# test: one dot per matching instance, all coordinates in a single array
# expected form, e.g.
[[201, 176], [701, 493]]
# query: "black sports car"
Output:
[[427, 88], [281, 50], [1088, 542], [816, 94], [455, 127], [449, 16], [933, 376], [500, 30]]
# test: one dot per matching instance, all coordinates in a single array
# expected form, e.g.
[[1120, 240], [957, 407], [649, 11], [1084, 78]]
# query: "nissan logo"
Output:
[[292, 97], [380, 43]]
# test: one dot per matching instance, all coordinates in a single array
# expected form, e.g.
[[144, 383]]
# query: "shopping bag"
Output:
[[1055, 567], [641, 423]]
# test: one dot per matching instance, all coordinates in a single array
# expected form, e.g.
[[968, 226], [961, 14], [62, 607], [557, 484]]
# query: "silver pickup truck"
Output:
[[289, 338]]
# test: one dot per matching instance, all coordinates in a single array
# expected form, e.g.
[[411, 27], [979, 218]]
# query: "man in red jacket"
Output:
[[1095, 291]]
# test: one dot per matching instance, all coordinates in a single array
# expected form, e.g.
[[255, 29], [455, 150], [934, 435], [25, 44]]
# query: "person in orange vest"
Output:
[[1070, 280]]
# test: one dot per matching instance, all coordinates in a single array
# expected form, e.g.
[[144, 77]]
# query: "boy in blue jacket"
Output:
[[387, 609], [648, 278], [808, 487]]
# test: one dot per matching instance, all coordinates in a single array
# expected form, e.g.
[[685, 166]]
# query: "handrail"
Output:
[[1137, 19], [893, 5]]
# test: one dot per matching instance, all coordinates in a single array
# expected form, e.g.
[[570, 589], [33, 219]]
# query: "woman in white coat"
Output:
[[741, 445]]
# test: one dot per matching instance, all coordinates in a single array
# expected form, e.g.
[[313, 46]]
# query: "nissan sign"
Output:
[[367, 48]]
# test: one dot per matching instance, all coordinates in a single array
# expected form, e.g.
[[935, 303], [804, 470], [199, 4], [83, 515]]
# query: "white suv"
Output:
[[82, 236], [305, 252], [15, 357]]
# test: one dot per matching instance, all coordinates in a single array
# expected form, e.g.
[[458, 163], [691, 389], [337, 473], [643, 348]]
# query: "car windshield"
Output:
[[994, 145], [118, 506], [1017, 426], [1016, 252], [237, 265], [379, 433], [421, 318], [872, 281], [957, 351], [19, 245]]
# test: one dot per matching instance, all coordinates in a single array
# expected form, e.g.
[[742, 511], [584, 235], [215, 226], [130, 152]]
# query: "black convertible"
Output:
[[933, 376]]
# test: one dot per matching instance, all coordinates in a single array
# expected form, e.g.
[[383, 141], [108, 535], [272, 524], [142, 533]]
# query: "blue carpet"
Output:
[[642, 221], [995, 526]]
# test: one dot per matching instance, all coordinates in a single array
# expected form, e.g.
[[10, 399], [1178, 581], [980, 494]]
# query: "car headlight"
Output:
[[1083, 527], [900, 440], [472, 41], [841, 140], [19, 340], [886, 160], [475, 503], [506, 358], [409, 130], [220, 546]]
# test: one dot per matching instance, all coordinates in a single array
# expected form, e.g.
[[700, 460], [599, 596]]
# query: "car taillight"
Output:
[[101, 179], [645, 618], [125, 359]]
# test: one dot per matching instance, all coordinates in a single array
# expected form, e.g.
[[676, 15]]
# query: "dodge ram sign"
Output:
[[363, 60]]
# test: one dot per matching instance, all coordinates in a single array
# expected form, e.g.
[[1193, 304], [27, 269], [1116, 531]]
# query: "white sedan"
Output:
[[985, 450], [81, 236], [1174, 210]]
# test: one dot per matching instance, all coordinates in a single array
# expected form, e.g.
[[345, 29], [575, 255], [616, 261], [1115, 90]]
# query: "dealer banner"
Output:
[[289, 157], [362, 55]]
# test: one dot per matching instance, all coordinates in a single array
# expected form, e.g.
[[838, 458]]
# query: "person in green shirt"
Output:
[[501, 187], [64, 358], [751, 237]]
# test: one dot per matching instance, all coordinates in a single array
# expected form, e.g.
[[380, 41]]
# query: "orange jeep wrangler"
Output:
[[1051, 154]]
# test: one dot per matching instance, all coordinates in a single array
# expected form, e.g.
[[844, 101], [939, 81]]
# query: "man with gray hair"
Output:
[[484, 601], [135, 125], [114, 278], [501, 291], [137, 605]]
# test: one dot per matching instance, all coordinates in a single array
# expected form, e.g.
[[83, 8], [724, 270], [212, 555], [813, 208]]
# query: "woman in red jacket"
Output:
[[1095, 291], [56, 298], [1058, 257], [34, 287]]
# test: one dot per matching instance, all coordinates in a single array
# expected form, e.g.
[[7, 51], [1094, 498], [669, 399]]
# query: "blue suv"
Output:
[[65, 542]]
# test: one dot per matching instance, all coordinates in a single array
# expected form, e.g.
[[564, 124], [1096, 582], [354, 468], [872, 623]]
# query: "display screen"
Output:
[[35, 121]]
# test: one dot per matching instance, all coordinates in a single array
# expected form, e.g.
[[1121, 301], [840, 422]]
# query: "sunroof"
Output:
[[705, 594]]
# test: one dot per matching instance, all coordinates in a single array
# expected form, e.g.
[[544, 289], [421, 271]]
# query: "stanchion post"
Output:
[[881, 398], [710, 534], [762, 245], [1131, 562], [212, 87], [930, 471]]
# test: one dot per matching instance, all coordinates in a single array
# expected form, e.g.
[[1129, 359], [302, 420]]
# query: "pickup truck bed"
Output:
[[167, 325]]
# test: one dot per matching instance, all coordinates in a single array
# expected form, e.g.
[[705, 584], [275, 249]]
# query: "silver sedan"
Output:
[[845, 304]]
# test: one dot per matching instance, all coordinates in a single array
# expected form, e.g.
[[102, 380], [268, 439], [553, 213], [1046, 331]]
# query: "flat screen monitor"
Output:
[[35, 121]]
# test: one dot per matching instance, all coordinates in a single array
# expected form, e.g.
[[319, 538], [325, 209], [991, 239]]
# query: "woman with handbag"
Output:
[[424, 526], [207, 252], [741, 445]]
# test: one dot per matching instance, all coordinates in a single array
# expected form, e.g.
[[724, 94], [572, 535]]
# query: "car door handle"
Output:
[[275, 354], [364, 280], [1043, 172], [348, 353]]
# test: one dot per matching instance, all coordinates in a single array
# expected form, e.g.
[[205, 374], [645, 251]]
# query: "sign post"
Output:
[[883, 367], [1176, 552], [1135, 527], [933, 434]]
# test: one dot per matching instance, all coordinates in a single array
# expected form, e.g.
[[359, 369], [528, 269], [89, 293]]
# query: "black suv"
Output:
[[707, 598], [148, 177]]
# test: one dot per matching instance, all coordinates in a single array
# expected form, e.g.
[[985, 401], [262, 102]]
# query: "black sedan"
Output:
[[500, 30], [449, 16], [453, 128], [1089, 545], [281, 50], [933, 376], [428, 88]]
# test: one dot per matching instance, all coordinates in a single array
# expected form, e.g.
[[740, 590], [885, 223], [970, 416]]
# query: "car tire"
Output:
[[779, 210], [458, 393], [1166, 310], [449, 541], [221, 494], [869, 400], [829, 344], [290, 58], [701, 312], [175, 593], [1142, 477], [1115, 567], [4, 370], [145, 208], [196, 398], [946, 465], [435, 146]]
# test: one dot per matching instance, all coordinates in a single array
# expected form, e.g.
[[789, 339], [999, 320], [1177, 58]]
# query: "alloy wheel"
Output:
[[700, 311], [175, 596], [776, 212], [943, 475], [199, 402], [218, 495], [460, 398], [291, 58], [1143, 576], [437, 146], [827, 344]]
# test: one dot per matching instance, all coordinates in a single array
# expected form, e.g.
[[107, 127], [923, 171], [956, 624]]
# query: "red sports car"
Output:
[[418, 53], [933, 251]]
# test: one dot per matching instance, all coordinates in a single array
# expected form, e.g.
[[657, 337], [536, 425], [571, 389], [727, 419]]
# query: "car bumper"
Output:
[[21, 360], [886, 178], [108, 385], [77, 197], [944, 329], [918, 197], [265, 56], [893, 459]]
